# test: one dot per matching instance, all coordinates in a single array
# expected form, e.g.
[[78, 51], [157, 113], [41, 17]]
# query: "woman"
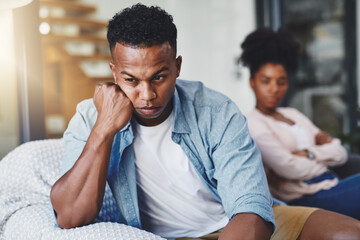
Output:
[[296, 154]]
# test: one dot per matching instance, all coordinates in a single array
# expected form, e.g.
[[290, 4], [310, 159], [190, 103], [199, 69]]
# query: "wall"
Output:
[[8, 101], [209, 36], [28, 55]]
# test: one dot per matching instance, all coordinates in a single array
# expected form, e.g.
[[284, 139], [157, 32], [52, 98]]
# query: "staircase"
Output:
[[75, 58]]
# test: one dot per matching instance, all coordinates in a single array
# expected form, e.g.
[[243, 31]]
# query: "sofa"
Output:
[[26, 176]]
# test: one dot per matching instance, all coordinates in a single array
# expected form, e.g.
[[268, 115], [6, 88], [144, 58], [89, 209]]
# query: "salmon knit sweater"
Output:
[[276, 143]]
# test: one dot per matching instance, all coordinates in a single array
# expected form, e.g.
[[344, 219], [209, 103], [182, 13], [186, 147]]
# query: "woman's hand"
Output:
[[322, 138], [301, 153]]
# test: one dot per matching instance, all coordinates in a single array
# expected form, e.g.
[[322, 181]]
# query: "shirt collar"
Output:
[[127, 126], [180, 125]]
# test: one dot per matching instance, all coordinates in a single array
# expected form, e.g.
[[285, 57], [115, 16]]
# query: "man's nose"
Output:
[[147, 92]]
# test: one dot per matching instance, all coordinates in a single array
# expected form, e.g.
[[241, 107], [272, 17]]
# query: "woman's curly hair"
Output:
[[267, 46], [142, 26]]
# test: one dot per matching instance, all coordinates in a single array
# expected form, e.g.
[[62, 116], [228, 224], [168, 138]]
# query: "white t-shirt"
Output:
[[173, 200], [302, 138]]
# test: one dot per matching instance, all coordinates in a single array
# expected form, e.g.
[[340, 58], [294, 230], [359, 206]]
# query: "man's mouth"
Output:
[[148, 110]]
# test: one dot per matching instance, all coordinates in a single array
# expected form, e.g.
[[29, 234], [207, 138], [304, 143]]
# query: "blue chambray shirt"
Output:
[[214, 136]]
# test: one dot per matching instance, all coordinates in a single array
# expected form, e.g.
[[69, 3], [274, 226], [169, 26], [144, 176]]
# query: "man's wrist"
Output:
[[103, 132]]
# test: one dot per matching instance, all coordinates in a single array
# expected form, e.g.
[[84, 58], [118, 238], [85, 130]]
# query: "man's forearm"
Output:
[[77, 196], [247, 226]]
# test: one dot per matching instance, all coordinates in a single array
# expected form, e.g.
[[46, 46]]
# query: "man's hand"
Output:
[[114, 107], [322, 138]]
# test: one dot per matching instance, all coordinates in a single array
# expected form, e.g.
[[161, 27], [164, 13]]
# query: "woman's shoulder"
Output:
[[257, 122]]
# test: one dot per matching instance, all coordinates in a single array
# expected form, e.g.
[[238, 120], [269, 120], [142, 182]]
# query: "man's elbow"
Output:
[[64, 223], [72, 219], [71, 215]]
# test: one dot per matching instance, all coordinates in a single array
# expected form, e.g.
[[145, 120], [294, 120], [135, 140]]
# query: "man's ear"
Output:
[[178, 65], [112, 68]]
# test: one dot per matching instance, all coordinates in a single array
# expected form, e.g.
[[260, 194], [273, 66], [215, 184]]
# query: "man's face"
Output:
[[147, 76]]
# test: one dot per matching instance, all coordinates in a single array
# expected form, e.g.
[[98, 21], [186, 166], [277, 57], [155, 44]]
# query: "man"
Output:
[[197, 170], [178, 157]]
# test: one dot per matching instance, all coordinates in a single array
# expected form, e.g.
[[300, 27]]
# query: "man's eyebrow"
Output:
[[159, 71], [123, 72]]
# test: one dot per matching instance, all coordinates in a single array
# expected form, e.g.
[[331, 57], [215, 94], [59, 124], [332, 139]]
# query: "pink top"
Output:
[[276, 143]]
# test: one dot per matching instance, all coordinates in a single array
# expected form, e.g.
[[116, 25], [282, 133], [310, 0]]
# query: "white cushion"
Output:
[[26, 176]]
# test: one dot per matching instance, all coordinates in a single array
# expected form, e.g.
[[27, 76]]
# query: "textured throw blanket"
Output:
[[26, 176]]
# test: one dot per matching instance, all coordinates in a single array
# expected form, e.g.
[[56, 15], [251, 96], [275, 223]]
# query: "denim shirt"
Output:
[[214, 136]]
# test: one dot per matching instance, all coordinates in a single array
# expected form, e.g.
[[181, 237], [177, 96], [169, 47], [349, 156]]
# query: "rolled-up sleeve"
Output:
[[77, 133], [241, 179]]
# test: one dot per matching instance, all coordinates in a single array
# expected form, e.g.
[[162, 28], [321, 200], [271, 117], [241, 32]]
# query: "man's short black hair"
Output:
[[142, 26], [267, 46]]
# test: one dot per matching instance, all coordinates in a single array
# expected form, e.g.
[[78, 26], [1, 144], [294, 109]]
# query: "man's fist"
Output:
[[113, 106]]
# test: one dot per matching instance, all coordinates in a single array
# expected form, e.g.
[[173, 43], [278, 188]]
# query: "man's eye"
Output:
[[129, 80], [158, 77]]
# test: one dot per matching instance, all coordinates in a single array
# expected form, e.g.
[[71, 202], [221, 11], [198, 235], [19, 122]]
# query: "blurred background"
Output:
[[54, 52]]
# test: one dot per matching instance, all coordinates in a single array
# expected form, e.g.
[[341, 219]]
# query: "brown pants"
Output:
[[289, 222]]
